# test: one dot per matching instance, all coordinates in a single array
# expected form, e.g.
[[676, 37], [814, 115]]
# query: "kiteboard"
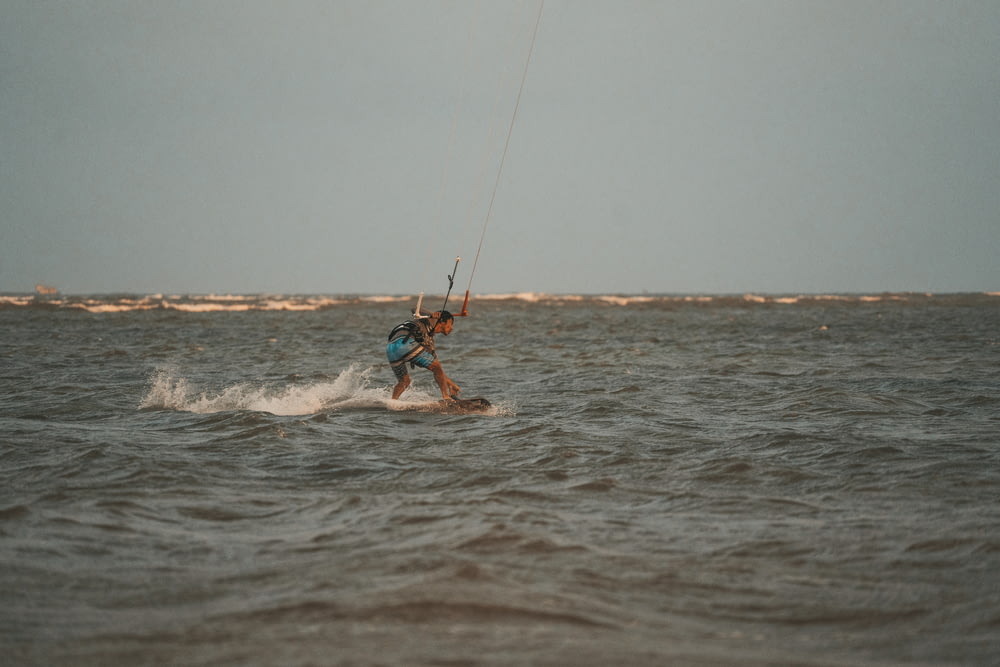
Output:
[[465, 405], [456, 406]]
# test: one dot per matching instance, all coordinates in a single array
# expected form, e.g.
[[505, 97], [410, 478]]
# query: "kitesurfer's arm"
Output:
[[448, 388]]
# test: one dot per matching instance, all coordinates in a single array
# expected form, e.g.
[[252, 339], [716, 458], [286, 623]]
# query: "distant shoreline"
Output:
[[195, 303]]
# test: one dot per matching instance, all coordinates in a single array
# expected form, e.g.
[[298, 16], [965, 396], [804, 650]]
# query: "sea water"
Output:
[[663, 480]]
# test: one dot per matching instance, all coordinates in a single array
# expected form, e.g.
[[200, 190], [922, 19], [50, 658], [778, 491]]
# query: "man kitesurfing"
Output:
[[412, 342]]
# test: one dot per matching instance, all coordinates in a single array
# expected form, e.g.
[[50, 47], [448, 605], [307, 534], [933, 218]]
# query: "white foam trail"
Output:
[[351, 388]]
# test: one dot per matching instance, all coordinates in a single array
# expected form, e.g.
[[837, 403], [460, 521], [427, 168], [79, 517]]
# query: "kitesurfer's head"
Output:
[[443, 322]]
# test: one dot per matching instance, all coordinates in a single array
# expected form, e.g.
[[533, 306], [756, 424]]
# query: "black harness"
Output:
[[412, 330]]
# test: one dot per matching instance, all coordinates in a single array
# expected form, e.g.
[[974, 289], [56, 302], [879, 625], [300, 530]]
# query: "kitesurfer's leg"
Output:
[[400, 387], [399, 351]]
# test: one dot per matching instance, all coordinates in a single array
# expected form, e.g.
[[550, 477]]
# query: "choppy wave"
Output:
[[215, 303]]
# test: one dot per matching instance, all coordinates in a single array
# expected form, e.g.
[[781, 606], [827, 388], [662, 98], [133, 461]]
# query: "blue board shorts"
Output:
[[406, 350]]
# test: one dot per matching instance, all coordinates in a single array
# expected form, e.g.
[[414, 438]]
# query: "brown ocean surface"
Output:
[[224, 480]]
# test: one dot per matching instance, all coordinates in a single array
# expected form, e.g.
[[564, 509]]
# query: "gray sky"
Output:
[[352, 147]]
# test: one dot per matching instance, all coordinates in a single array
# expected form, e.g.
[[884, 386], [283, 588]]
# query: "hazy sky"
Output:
[[352, 147]]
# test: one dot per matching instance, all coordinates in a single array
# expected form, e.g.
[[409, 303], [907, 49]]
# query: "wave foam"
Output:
[[229, 303], [167, 391]]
